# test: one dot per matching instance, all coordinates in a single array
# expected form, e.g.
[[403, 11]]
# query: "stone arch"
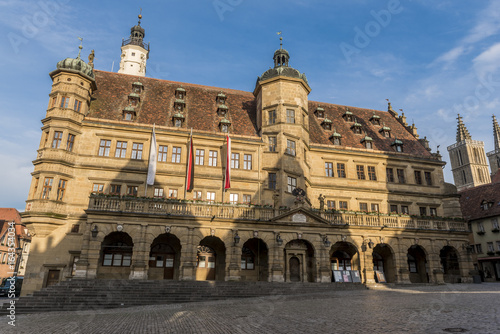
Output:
[[115, 256], [384, 260], [417, 264], [304, 252], [254, 260], [211, 259], [450, 259], [164, 257]]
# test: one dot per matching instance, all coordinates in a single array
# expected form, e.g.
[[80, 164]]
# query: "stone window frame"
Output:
[[121, 149], [329, 169], [137, 151]]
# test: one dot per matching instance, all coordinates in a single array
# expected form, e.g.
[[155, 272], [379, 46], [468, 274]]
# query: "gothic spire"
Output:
[[462, 132], [496, 133]]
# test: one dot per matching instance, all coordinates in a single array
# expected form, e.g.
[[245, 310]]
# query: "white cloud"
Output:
[[488, 61]]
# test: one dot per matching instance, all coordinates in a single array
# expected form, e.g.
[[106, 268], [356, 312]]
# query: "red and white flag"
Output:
[[227, 183], [152, 160], [190, 166]]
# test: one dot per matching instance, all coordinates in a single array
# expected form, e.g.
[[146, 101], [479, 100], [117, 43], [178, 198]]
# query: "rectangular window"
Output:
[[494, 224], [75, 228], [271, 180], [372, 176], [428, 178], [375, 207], [104, 147], [271, 117], [389, 174], [176, 155], [97, 188], [341, 170], [136, 151], [292, 184], [47, 187], [64, 102], [162, 153], [363, 207], [235, 160], [212, 158], [77, 106], [272, 144], [56, 142], [197, 195], [290, 147], [491, 248], [360, 170], [121, 149], [53, 103], [343, 205], [433, 212], [172, 193], [247, 199], [290, 116], [479, 249], [210, 196], [329, 169], [233, 198], [498, 246], [132, 191], [70, 143], [423, 211], [401, 175], [115, 189], [158, 192], [200, 157], [480, 227], [247, 161], [61, 189], [404, 209], [330, 205], [418, 177], [393, 208]]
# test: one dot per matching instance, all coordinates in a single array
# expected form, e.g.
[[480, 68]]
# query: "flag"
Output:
[[190, 166], [152, 160], [227, 184]]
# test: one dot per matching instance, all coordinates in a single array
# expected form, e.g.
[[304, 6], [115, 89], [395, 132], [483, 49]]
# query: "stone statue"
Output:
[[321, 199], [91, 57], [276, 198]]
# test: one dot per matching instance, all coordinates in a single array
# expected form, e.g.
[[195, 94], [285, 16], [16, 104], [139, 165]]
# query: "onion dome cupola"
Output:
[[76, 65], [135, 52]]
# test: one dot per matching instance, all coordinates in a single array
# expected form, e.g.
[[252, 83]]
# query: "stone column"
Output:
[[368, 273], [82, 265], [140, 256], [402, 272], [234, 264], [188, 258], [436, 274], [276, 271], [324, 265]]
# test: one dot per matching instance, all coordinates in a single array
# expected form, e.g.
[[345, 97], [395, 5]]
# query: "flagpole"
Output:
[[190, 143]]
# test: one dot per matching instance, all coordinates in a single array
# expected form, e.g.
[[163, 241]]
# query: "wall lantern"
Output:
[[94, 231], [236, 238], [326, 242], [370, 243], [279, 241]]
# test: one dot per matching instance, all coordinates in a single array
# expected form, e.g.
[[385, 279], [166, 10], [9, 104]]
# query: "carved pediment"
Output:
[[301, 217]]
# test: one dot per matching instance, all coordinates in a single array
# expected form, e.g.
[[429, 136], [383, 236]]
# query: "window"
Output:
[[418, 177], [363, 207], [389, 174], [70, 143], [247, 161], [272, 144], [132, 191], [494, 224], [464, 177], [115, 189], [233, 198], [398, 147], [61, 189], [116, 259], [97, 188], [330, 205], [360, 170], [433, 212], [247, 199], [64, 102], [336, 141], [104, 146], [412, 264], [212, 158], [479, 249], [158, 193], [404, 209], [271, 117], [423, 211], [178, 124], [128, 116], [292, 184], [197, 195], [136, 151], [77, 106], [341, 170], [53, 102], [247, 259], [491, 248], [75, 228], [329, 169], [56, 142], [480, 227], [375, 207], [172, 193], [271, 180], [210, 196], [47, 187], [200, 157], [162, 153], [460, 161], [393, 208], [121, 149], [290, 147], [176, 154], [235, 160], [428, 178], [401, 175], [372, 176], [368, 144], [290, 116], [343, 205], [356, 129]]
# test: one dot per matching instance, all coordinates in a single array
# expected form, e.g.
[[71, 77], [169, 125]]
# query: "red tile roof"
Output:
[[8, 215], [471, 199]]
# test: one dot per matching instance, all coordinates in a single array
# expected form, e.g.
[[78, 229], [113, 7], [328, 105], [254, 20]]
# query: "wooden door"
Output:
[[53, 277], [168, 272], [294, 269], [206, 265]]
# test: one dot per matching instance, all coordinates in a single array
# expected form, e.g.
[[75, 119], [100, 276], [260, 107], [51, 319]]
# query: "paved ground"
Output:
[[455, 308]]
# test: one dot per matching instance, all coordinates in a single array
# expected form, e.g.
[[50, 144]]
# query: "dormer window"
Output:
[[178, 120], [367, 142], [222, 110], [327, 124], [179, 105], [385, 131], [356, 127], [320, 112], [375, 119], [224, 125], [398, 145], [336, 138], [137, 87], [348, 116], [221, 98], [133, 99], [129, 113], [180, 93], [485, 205]]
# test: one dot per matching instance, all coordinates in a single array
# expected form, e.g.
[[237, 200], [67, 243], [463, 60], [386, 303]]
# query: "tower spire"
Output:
[[462, 132], [496, 133]]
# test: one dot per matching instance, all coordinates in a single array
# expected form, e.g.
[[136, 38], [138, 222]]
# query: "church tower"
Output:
[[494, 156], [468, 160], [135, 52]]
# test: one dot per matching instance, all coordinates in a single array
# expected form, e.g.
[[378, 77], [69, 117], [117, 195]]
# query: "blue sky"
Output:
[[432, 59]]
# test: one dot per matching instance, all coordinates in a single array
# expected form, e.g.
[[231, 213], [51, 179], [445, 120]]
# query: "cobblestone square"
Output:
[[450, 308]]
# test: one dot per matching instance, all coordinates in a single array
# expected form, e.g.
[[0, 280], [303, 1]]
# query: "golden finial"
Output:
[[80, 47], [140, 15]]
